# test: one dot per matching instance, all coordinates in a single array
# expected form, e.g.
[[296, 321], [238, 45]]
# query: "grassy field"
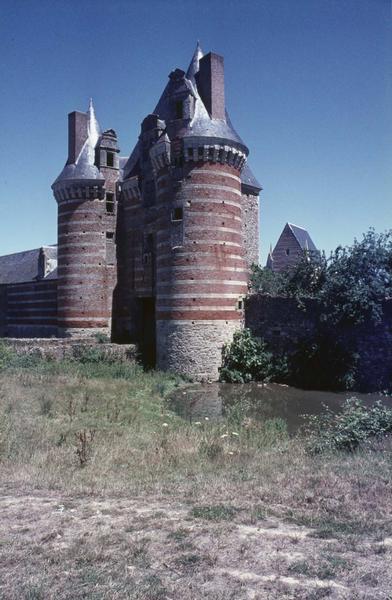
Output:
[[107, 494]]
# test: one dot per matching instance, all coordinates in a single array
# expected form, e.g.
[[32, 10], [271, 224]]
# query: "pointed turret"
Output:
[[83, 135], [194, 64]]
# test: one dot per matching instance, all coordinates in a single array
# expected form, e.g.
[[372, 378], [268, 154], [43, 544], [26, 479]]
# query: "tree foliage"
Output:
[[351, 285]]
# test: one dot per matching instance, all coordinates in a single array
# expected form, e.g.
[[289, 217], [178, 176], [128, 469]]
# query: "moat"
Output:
[[266, 401]]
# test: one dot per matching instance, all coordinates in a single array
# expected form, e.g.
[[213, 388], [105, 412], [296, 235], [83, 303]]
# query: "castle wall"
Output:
[[29, 309], [283, 324], [3, 310], [250, 228]]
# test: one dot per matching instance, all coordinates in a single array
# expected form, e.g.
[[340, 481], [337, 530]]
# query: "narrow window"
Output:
[[179, 109], [109, 159], [287, 251], [109, 202], [240, 304], [177, 214]]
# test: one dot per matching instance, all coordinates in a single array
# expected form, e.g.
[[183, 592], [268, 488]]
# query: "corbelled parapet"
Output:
[[130, 189]]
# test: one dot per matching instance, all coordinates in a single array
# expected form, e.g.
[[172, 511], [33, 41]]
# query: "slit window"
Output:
[[177, 214], [109, 159], [287, 251], [109, 202], [179, 109]]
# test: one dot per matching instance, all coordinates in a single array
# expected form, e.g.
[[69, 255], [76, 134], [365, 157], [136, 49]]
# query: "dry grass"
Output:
[[107, 494]]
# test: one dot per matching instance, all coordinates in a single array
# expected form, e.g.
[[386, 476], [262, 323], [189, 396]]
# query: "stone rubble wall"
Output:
[[284, 322]]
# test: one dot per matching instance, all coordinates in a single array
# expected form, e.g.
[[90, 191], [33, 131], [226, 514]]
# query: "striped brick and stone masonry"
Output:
[[201, 269], [86, 233]]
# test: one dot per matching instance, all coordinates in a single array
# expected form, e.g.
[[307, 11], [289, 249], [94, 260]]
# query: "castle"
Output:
[[154, 248]]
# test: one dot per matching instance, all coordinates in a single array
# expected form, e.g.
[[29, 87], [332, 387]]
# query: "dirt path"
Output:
[[54, 547]]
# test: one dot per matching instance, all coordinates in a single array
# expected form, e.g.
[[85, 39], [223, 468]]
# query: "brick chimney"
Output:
[[77, 134], [211, 84]]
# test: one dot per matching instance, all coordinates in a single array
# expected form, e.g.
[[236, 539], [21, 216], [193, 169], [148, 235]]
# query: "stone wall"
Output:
[[284, 322], [193, 348], [250, 228]]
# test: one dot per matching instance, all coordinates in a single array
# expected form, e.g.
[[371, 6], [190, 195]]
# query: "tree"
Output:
[[358, 280]]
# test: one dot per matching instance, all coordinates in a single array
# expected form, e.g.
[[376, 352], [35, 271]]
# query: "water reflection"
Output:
[[264, 401]]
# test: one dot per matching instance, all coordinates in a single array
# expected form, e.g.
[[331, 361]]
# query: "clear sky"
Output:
[[308, 88]]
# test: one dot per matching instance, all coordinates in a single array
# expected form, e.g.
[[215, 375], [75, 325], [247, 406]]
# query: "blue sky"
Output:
[[308, 88]]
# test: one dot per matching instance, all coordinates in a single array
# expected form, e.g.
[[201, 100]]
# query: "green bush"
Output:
[[247, 359], [322, 363], [348, 429]]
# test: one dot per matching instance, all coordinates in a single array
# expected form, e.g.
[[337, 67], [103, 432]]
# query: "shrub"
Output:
[[348, 429], [246, 359], [323, 363]]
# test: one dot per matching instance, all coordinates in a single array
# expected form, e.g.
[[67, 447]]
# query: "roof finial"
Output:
[[194, 64], [94, 129]]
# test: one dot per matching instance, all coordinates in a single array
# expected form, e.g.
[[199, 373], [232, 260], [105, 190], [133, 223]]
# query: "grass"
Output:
[[108, 494]]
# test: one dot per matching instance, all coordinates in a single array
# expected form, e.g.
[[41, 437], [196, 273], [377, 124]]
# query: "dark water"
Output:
[[265, 401]]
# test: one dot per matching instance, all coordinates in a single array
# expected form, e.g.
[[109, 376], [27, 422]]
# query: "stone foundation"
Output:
[[194, 348]]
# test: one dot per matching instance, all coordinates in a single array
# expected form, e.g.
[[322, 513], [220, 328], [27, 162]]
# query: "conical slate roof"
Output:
[[194, 64], [84, 167], [201, 124]]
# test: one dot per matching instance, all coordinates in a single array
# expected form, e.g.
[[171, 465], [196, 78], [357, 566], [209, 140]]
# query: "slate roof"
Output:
[[84, 168], [248, 179], [302, 237], [200, 125], [24, 266]]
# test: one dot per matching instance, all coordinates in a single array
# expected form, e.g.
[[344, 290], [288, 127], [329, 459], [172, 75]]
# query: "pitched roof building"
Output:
[[291, 244]]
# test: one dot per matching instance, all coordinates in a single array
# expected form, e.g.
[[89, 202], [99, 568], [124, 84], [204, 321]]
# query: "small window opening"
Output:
[[179, 109], [287, 251], [177, 214], [110, 235], [240, 304], [110, 203], [109, 159]]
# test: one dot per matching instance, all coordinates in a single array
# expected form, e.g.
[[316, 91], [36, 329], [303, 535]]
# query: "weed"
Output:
[[218, 512], [84, 440], [179, 534]]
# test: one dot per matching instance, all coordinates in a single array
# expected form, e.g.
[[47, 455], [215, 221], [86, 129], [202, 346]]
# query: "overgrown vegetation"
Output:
[[246, 359], [319, 363], [351, 285], [349, 429], [110, 494]]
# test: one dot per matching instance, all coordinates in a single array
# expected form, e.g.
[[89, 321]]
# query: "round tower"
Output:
[[86, 195], [201, 275], [184, 194]]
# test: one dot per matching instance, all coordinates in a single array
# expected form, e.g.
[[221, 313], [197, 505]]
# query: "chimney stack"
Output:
[[77, 134], [211, 84]]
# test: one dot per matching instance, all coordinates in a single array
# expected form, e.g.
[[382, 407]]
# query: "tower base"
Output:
[[193, 348]]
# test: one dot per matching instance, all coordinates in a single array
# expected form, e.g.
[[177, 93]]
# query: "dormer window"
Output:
[[179, 109], [110, 159]]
